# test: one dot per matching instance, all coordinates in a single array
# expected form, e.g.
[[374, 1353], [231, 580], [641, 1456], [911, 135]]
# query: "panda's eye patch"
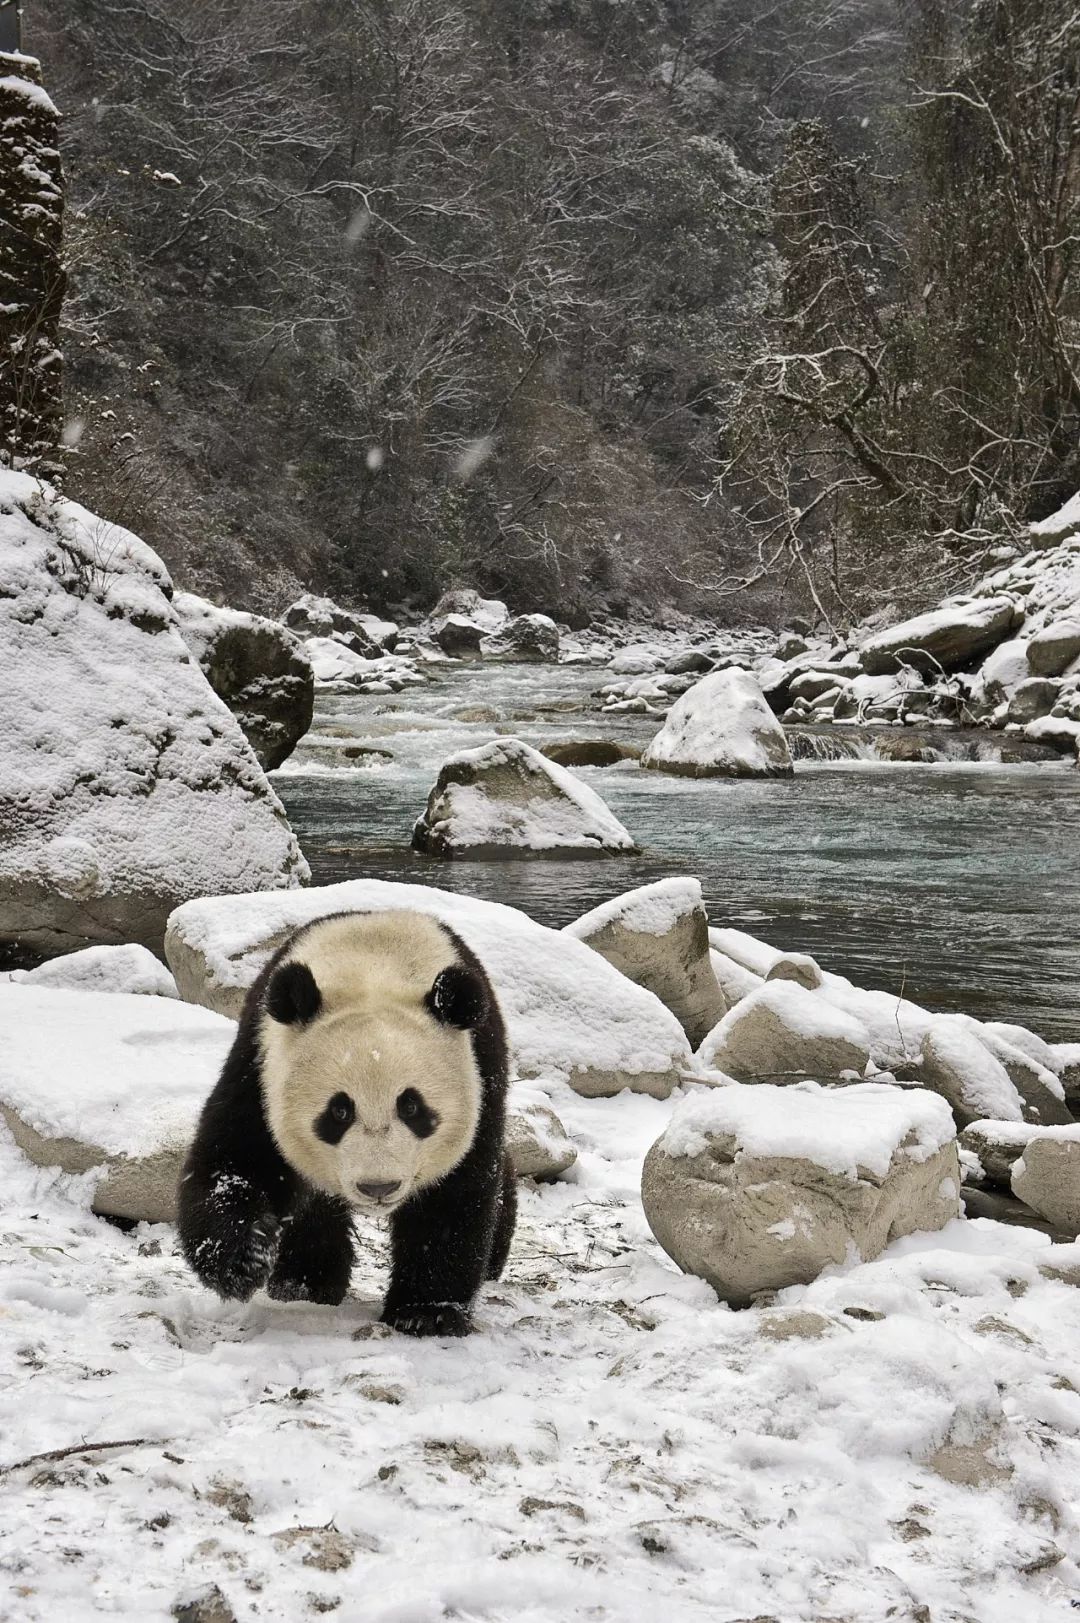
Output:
[[416, 1114], [336, 1119]]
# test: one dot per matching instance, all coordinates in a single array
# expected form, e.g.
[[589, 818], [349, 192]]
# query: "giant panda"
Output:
[[368, 1074]]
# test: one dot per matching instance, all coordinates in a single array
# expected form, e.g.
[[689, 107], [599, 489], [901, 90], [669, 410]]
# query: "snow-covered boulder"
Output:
[[258, 668], [733, 979], [489, 613], [568, 1012], [1052, 650], [692, 662], [1061, 728], [1000, 674], [721, 727], [983, 1074], [658, 936], [126, 785], [113, 1082], [312, 616], [758, 1188], [537, 1142], [338, 669], [782, 1031], [1060, 526], [953, 635], [127, 968], [957, 1064], [1031, 700], [1047, 1176], [457, 635], [635, 661], [505, 799], [798, 967], [526, 637]]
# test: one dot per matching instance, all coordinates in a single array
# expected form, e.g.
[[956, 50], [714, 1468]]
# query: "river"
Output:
[[957, 883]]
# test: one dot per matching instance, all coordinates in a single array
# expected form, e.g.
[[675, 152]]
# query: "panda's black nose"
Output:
[[379, 1191]]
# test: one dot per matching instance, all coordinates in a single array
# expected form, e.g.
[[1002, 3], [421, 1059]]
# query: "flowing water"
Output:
[[956, 882]]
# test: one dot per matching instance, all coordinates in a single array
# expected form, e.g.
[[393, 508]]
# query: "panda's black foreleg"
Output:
[[441, 1250], [315, 1252], [505, 1219]]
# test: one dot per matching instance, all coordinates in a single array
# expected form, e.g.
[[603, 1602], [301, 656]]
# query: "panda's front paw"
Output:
[[435, 1319], [236, 1260], [284, 1287]]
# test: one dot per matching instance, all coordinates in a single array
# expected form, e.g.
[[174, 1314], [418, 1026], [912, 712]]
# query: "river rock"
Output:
[[783, 1032], [457, 635], [999, 676], [798, 967], [568, 1013], [692, 662], [590, 752], [997, 1145], [312, 616], [128, 968], [257, 668], [757, 1188], [145, 1066], [956, 1063], [947, 638], [722, 727], [658, 936], [125, 783], [1047, 1176], [1052, 650], [506, 799], [532, 637], [489, 613], [1061, 728], [537, 1143]]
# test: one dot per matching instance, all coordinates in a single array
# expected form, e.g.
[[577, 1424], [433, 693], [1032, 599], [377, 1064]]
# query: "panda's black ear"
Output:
[[458, 998], [292, 997]]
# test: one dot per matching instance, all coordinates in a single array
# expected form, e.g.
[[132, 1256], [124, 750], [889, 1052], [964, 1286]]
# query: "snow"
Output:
[[527, 802], [806, 1015], [128, 968], [12, 85], [984, 1082], [610, 1445], [333, 663], [566, 1008], [121, 772], [124, 1072], [847, 1131], [650, 910]]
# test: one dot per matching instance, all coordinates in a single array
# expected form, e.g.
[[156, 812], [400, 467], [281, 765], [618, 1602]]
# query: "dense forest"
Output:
[[593, 304]]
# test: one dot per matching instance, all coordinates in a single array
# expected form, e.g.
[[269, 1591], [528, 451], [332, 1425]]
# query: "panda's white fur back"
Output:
[[372, 1039]]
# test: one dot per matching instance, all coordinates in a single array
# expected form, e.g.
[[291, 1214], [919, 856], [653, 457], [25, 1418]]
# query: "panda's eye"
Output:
[[337, 1117], [417, 1115]]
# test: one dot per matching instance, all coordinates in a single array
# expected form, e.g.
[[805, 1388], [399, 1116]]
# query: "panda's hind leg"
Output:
[[315, 1253], [505, 1218]]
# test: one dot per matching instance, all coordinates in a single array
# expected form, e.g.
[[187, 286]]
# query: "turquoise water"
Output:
[[959, 884]]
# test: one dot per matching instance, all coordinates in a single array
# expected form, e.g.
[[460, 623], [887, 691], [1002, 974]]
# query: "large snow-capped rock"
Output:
[[258, 668], [658, 935], [568, 1012], [113, 1081], [126, 785], [721, 727], [782, 1031], [757, 1188], [505, 799], [950, 636], [527, 637], [364, 634]]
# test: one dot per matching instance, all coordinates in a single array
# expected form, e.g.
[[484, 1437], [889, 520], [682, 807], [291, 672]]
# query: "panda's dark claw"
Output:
[[439, 1319]]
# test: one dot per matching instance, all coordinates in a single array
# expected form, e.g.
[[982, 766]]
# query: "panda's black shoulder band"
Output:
[[458, 998], [292, 995]]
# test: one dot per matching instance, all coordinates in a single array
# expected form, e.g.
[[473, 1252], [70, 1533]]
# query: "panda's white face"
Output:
[[369, 1093]]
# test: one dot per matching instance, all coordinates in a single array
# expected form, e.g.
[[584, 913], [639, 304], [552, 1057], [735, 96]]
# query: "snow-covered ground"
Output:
[[611, 1444]]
